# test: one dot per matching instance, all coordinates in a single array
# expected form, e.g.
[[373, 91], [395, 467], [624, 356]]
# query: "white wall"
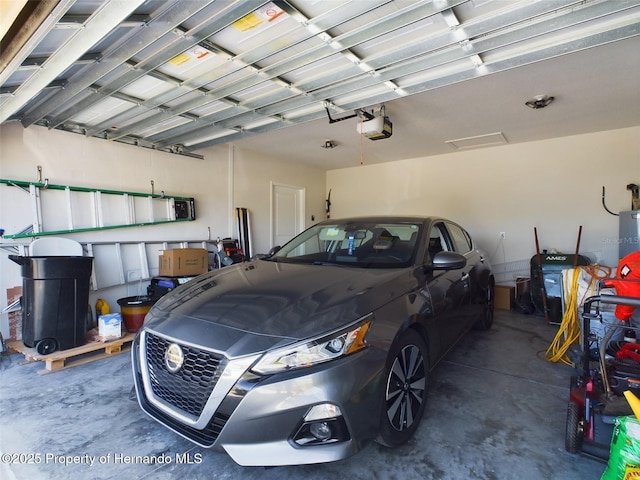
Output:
[[227, 177], [554, 185], [254, 176]]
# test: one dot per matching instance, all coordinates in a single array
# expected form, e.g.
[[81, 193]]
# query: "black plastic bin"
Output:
[[55, 299]]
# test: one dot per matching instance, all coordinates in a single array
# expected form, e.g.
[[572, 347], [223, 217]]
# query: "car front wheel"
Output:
[[405, 393], [486, 317]]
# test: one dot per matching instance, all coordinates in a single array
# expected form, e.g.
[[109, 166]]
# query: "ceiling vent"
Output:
[[488, 140]]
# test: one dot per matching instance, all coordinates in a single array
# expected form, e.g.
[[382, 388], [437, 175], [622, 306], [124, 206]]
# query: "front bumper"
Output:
[[256, 419]]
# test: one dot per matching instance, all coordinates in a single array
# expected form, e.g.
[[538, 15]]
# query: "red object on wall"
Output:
[[626, 283]]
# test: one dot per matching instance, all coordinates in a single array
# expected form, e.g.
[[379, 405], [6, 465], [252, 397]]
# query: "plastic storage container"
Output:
[[55, 301]]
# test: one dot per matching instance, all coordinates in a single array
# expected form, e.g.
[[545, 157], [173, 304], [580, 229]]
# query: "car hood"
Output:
[[252, 307]]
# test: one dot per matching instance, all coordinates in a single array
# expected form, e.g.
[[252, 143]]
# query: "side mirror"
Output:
[[274, 250], [448, 261]]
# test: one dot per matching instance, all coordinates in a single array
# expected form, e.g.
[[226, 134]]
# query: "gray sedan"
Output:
[[308, 354]]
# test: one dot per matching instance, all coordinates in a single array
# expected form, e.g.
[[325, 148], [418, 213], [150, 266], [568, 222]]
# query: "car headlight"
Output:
[[319, 350]]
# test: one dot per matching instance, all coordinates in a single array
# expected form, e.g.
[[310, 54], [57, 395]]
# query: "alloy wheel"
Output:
[[406, 388]]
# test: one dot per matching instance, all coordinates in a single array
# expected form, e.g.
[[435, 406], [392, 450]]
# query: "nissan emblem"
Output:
[[174, 358]]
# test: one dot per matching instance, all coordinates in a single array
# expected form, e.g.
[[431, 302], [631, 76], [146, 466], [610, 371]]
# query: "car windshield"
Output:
[[358, 244]]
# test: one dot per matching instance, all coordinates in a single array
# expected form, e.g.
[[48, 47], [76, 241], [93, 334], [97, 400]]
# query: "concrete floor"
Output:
[[496, 411]]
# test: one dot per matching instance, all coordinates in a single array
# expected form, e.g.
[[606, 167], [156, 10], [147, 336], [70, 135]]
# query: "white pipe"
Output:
[[230, 189]]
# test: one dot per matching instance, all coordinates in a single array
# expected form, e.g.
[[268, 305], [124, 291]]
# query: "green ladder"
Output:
[[160, 208]]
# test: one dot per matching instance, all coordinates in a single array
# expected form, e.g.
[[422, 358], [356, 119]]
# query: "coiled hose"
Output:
[[569, 331]]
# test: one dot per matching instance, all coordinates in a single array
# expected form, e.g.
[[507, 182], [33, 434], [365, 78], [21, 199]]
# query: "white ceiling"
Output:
[[595, 90], [179, 76]]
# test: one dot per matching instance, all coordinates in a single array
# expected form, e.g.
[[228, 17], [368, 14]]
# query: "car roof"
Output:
[[385, 218]]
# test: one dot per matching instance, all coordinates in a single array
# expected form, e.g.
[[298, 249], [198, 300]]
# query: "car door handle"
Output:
[[465, 277]]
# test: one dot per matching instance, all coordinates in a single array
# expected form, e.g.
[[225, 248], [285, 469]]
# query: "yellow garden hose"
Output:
[[569, 331]]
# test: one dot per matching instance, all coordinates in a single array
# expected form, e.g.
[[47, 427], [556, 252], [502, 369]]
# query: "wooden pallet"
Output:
[[73, 357]]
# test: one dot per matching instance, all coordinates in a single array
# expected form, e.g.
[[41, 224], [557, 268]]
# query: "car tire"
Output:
[[486, 319], [405, 389]]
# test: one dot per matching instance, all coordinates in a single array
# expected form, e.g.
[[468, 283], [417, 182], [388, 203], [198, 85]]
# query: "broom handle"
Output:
[[542, 289], [575, 259]]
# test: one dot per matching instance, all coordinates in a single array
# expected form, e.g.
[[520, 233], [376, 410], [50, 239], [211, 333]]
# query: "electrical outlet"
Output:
[[503, 234]]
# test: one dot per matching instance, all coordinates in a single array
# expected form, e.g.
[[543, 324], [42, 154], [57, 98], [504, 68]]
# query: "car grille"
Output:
[[188, 389], [205, 437]]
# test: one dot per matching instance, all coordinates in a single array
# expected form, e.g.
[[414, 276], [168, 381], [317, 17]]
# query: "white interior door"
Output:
[[287, 212]]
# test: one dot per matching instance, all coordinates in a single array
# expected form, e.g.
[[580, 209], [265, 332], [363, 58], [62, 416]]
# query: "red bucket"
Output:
[[133, 310]]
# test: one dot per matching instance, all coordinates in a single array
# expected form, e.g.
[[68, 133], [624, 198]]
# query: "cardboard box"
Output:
[[183, 262], [110, 326], [504, 297]]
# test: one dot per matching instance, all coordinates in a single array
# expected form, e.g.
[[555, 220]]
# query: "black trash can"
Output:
[[55, 298]]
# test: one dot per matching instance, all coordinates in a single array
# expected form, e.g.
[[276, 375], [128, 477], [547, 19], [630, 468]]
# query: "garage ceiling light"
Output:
[[539, 101]]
